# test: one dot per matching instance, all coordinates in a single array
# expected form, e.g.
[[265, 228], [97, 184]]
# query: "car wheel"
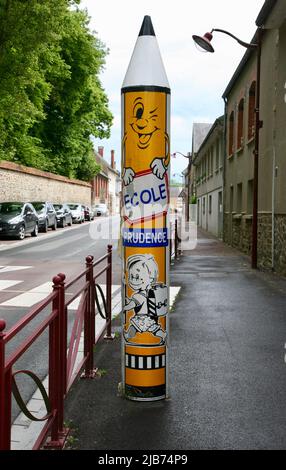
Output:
[[35, 231], [21, 233], [45, 227]]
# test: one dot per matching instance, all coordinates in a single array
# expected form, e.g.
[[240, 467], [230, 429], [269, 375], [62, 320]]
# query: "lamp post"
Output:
[[204, 42], [189, 157]]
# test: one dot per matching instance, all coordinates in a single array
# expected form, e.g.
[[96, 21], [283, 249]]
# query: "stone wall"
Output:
[[264, 241], [241, 233], [226, 229], [24, 184], [280, 244], [241, 238]]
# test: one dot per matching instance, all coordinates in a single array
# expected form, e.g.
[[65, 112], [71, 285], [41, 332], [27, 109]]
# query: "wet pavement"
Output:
[[227, 369]]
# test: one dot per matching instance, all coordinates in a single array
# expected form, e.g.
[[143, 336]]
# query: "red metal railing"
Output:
[[62, 367]]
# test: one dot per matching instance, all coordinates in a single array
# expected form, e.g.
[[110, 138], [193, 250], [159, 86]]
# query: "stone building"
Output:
[[239, 99], [207, 179], [106, 184]]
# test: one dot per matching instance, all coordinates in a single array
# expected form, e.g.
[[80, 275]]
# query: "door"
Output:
[[28, 217]]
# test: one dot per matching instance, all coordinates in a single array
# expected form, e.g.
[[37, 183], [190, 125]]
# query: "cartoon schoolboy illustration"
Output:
[[145, 126], [149, 300]]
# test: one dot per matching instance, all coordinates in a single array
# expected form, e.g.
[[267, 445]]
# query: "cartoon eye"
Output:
[[138, 110]]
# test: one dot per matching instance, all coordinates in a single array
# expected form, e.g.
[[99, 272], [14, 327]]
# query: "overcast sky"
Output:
[[197, 79]]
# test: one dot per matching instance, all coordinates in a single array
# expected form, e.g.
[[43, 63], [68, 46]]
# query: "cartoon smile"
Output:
[[143, 123]]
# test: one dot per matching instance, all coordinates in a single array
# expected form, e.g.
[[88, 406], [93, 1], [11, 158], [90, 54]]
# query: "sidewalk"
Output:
[[227, 369]]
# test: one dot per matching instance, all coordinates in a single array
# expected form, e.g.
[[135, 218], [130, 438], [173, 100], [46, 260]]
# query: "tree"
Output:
[[51, 98], [29, 31]]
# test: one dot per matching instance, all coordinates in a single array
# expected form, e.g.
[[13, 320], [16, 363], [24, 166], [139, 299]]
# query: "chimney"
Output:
[[113, 164], [100, 151]]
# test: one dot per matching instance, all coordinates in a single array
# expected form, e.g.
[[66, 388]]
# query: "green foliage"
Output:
[[175, 184], [51, 99]]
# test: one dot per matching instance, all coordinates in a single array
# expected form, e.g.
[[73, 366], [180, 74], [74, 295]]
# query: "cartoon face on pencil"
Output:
[[144, 128], [149, 300]]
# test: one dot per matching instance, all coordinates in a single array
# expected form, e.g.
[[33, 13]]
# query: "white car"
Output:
[[77, 212], [100, 209]]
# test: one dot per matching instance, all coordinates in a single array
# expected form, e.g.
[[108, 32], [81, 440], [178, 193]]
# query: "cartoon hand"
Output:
[[128, 176], [158, 168]]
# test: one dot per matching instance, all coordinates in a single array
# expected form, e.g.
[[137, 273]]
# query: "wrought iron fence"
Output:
[[62, 365]]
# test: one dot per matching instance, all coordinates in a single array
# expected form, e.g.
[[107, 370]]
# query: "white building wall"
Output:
[[209, 214]]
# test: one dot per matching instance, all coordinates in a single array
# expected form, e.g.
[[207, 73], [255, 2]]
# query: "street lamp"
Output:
[[189, 157], [204, 42]]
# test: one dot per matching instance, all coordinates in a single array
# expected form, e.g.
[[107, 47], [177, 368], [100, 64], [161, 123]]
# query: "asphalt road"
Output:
[[26, 272]]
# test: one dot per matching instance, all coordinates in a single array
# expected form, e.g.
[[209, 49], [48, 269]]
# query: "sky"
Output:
[[197, 79]]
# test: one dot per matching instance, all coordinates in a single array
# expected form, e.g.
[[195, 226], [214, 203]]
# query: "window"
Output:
[[204, 205], [251, 110], [210, 204], [250, 197], [239, 198], [217, 163], [240, 124], [231, 134], [231, 200]]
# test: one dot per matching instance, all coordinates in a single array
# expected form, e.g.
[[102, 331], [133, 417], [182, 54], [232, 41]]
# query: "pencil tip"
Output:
[[147, 27]]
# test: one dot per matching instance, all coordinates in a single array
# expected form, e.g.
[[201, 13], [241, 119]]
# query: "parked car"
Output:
[[17, 219], [88, 213], [100, 209], [47, 215], [64, 215], [77, 211]]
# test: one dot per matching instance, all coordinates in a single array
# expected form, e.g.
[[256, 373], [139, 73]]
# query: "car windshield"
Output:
[[39, 206], [11, 208], [58, 207], [73, 207]]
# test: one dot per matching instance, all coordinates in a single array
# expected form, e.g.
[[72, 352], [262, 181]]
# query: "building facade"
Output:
[[240, 118], [207, 179], [106, 185]]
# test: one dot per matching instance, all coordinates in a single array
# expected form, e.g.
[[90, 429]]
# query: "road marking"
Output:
[[31, 297], [8, 269], [7, 284]]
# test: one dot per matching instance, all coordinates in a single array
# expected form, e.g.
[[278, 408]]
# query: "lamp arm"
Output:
[[242, 43], [186, 156]]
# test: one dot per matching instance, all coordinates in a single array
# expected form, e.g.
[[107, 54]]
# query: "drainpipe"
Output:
[[224, 164], [274, 176]]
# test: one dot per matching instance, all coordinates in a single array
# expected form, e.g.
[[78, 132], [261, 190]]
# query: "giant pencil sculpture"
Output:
[[145, 234]]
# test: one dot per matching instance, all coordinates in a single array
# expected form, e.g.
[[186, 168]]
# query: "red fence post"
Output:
[[109, 334], [171, 247], [57, 364], [62, 352], [89, 322], [5, 395]]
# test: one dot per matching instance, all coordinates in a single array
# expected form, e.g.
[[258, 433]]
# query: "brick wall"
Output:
[[20, 183]]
